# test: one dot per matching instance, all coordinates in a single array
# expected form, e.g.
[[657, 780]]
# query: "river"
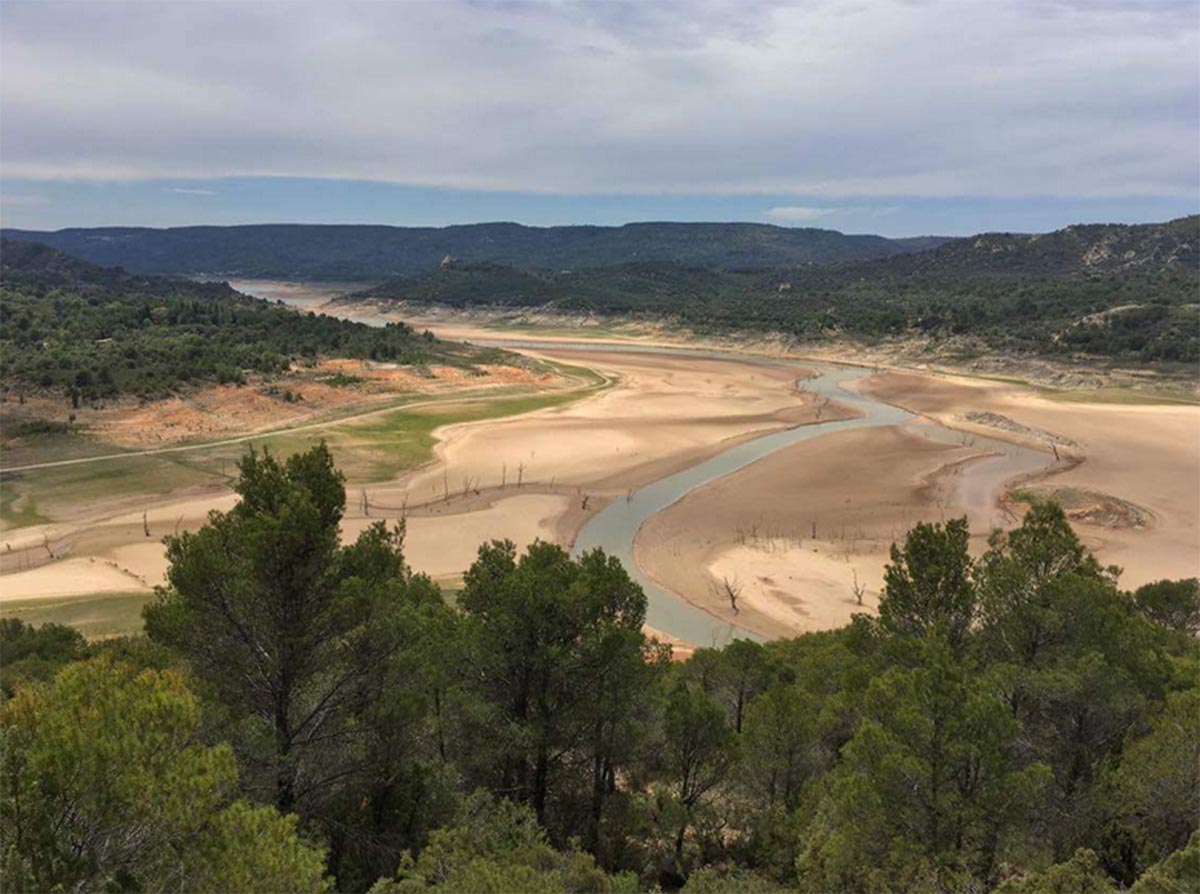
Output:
[[615, 527]]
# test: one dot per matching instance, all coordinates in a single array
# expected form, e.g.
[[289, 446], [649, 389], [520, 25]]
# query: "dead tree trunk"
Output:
[[859, 589]]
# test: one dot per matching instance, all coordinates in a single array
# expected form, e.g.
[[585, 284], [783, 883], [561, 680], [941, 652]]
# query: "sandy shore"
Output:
[[1145, 454], [864, 489], [861, 489], [664, 414], [857, 490]]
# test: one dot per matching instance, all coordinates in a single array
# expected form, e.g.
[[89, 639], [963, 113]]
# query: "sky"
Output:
[[898, 117]]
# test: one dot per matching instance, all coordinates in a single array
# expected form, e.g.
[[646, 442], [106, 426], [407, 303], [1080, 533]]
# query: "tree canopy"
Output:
[[308, 712]]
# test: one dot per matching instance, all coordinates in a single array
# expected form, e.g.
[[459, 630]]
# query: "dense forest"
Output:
[[1126, 292], [299, 251], [302, 715], [86, 332]]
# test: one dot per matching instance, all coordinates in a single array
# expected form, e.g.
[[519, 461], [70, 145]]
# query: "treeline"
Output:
[[89, 333], [303, 715], [1143, 316], [1122, 292]]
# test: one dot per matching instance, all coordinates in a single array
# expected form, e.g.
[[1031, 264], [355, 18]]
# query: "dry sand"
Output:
[[861, 489], [1145, 454], [667, 412], [865, 488], [664, 413]]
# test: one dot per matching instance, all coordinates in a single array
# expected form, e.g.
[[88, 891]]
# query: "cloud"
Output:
[[793, 214], [22, 201], [828, 98], [186, 191]]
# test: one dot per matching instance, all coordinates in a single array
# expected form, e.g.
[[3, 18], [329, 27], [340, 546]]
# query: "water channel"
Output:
[[615, 527]]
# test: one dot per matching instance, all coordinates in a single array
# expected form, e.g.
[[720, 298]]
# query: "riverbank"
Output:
[[699, 428], [536, 475]]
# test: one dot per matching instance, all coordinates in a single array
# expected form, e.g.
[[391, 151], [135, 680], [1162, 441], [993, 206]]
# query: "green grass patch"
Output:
[[17, 509], [374, 448], [41, 495], [51, 447], [385, 445], [32, 428], [96, 616]]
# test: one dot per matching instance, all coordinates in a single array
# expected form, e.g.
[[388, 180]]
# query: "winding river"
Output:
[[615, 527]]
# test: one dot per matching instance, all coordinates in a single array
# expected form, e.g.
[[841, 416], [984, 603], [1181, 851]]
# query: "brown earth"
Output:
[[663, 414], [221, 411], [796, 531]]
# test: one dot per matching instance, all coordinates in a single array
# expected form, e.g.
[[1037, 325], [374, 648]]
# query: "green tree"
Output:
[[35, 653], [1153, 791], [742, 673], [927, 585], [1019, 612], [1175, 604], [697, 754], [1082, 874], [927, 788], [729, 881], [284, 626], [1076, 663], [561, 663], [1179, 873], [106, 787], [781, 748], [498, 848]]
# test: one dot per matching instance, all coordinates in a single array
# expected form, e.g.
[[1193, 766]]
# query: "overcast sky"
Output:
[[948, 116]]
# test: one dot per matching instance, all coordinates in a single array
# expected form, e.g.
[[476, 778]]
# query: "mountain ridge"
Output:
[[1124, 291], [368, 251]]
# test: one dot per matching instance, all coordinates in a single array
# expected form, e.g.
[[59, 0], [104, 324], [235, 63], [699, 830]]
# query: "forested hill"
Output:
[[1084, 248], [40, 267], [1107, 290], [376, 252], [87, 332]]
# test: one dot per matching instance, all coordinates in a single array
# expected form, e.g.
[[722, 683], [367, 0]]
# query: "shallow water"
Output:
[[615, 527]]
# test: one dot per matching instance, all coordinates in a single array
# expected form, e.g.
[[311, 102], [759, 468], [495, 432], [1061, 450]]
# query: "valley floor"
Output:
[[801, 535]]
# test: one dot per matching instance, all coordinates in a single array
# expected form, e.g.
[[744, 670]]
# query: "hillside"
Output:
[[377, 252], [1115, 291], [88, 332], [1084, 248]]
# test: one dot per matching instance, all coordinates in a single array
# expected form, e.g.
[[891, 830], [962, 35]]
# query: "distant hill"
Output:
[[1107, 290], [87, 332], [376, 252], [1083, 248], [42, 268]]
